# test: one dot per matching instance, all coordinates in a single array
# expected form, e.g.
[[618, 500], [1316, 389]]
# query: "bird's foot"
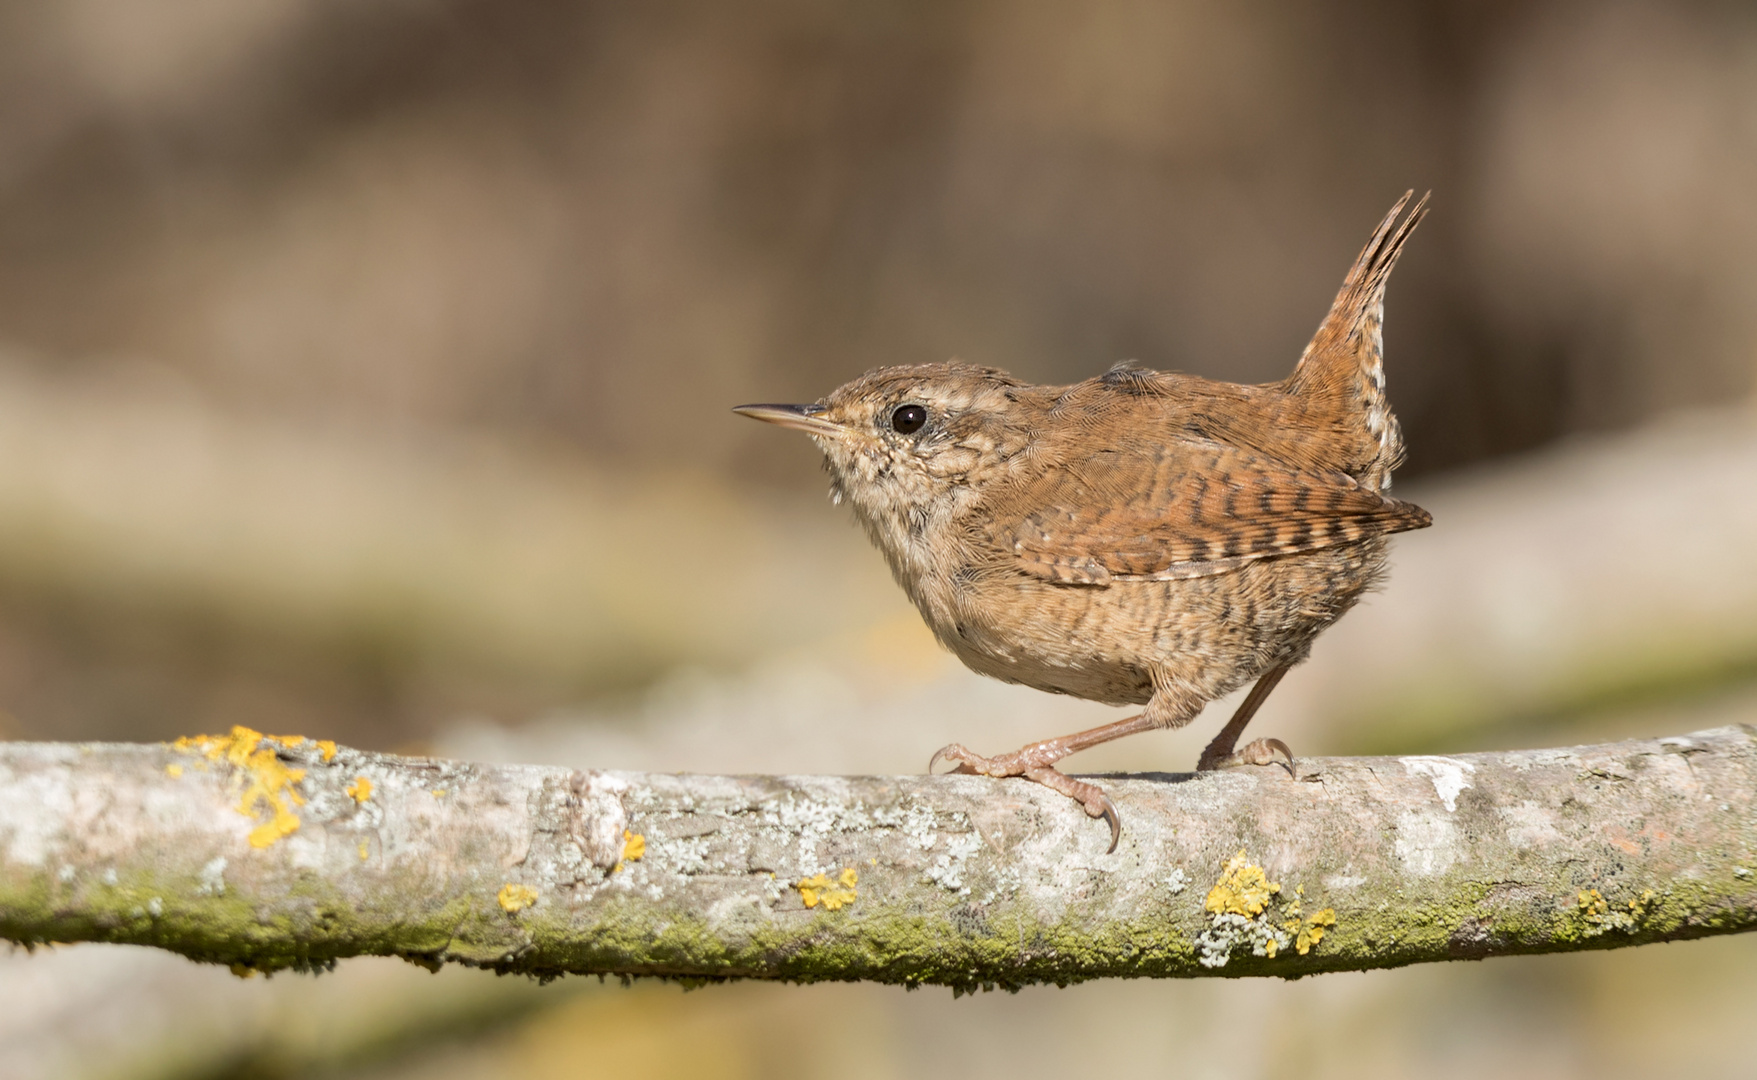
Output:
[[1040, 755], [1037, 763], [1260, 752]]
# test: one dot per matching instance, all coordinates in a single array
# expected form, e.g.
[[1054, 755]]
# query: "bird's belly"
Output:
[[1205, 636]]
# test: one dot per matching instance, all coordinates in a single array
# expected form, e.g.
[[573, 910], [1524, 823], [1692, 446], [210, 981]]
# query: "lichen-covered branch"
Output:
[[269, 853]]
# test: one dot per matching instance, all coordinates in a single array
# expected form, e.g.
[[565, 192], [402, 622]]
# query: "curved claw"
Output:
[[1116, 822], [1277, 744], [949, 752]]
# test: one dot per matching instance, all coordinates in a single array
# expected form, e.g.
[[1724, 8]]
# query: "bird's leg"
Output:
[[1037, 762], [1220, 753]]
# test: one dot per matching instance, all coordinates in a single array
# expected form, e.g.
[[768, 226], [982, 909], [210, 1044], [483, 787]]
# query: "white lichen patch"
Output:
[[1176, 881], [947, 869], [917, 822], [212, 879], [1450, 776], [811, 822], [1228, 931], [678, 854], [807, 816], [773, 887]]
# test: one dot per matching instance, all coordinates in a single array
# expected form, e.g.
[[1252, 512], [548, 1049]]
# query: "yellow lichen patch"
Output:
[[819, 889], [514, 898], [365, 850], [267, 782], [437, 793], [174, 770], [1247, 910], [1598, 911], [1243, 889], [284, 823], [1311, 931], [360, 790], [1307, 932], [634, 846], [241, 741]]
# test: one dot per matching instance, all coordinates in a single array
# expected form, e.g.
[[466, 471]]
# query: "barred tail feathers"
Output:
[[1344, 363]]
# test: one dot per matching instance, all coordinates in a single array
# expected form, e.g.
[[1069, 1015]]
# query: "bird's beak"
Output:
[[801, 417]]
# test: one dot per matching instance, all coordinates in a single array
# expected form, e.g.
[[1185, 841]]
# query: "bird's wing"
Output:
[[1186, 508]]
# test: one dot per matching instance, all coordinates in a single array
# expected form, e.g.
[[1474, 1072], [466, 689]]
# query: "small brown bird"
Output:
[[1141, 537]]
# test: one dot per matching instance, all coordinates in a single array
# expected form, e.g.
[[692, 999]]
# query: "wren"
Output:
[[1143, 537]]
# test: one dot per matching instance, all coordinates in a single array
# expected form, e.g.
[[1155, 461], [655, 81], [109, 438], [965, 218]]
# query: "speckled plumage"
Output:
[[1140, 537]]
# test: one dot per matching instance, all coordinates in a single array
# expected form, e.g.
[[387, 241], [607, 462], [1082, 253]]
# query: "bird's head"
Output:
[[909, 442]]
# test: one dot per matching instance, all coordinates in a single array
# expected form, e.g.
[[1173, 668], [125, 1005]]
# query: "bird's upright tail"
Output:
[[1342, 371]]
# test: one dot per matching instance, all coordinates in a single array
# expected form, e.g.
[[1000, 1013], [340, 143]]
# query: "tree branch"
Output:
[[267, 854]]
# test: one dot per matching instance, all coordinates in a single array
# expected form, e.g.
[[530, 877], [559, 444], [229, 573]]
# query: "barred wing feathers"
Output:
[[1187, 508]]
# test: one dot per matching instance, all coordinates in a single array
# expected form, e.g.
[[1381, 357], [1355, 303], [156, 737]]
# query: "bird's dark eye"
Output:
[[907, 419]]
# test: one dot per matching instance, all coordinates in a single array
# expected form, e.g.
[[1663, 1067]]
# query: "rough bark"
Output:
[[267, 854]]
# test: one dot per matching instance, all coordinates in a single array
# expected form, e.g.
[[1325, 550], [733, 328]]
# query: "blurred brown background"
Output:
[[364, 372]]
